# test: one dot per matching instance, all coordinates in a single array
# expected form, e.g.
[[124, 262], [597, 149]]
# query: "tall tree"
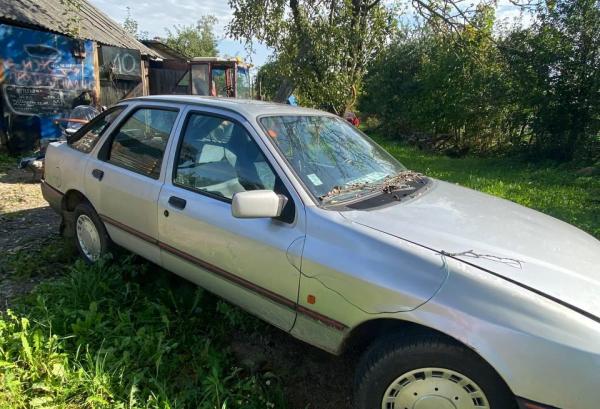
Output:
[[131, 25], [323, 47], [556, 66], [194, 40], [449, 86], [467, 85]]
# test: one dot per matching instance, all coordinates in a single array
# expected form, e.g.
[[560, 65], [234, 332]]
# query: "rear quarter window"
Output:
[[89, 135], [139, 143]]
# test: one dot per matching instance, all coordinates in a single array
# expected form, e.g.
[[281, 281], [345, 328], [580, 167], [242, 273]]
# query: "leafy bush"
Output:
[[487, 88], [124, 335]]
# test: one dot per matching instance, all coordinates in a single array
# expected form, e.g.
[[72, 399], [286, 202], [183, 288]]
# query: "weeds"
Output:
[[25, 263], [102, 336], [6, 161]]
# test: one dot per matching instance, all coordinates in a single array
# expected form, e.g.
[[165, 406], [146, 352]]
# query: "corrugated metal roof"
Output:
[[52, 15], [163, 50]]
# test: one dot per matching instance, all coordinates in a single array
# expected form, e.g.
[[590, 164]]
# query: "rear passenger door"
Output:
[[251, 262], [124, 180]]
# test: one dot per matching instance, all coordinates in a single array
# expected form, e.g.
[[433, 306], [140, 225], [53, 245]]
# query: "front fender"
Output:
[[351, 274], [544, 351]]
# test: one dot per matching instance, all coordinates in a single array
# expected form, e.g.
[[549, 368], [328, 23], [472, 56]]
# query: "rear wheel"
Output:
[[427, 372], [91, 237]]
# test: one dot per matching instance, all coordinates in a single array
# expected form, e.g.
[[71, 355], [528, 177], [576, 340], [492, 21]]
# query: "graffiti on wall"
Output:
[[42, 74]]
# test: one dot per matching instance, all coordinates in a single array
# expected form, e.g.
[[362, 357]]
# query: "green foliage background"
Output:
[[449, 78], [194, 40], [488, 88]]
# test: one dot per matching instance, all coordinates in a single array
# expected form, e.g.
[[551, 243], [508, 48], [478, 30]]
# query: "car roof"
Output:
[[246, 107]]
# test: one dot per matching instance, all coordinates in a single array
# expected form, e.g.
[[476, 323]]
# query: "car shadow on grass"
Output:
[[310, 378]]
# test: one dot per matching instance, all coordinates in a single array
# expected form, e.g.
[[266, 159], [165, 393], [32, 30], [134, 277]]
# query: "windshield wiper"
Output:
[[389, 184], [341, 190], [401, 181]]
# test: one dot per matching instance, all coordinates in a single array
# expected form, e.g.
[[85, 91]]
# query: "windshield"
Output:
[[334, 160]]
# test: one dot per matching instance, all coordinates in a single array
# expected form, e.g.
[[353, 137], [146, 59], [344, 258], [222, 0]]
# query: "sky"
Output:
[[153, 16]]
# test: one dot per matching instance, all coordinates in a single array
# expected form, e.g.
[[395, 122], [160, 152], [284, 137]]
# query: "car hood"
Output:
[[520, 244]]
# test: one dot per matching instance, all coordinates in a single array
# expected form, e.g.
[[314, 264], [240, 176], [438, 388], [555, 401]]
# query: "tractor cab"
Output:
[[220, 77], [210, 76]]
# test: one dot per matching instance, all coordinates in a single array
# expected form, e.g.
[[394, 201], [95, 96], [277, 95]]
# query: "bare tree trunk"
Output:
[[284, 91]]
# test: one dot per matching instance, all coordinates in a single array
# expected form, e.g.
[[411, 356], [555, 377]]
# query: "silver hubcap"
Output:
[[88, 237], [434, 388]]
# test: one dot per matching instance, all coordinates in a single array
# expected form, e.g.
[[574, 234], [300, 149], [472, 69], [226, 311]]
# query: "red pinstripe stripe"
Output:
[[229, 276], [130, 230], [321, 318]]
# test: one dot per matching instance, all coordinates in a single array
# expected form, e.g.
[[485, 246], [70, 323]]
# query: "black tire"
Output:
[[389, 358], [105, 242]]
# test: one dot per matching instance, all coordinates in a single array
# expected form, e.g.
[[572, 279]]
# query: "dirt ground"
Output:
[[26, 224], [312, 379]]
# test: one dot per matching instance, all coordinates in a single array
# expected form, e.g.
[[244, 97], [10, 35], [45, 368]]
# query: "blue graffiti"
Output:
[[41, 74]]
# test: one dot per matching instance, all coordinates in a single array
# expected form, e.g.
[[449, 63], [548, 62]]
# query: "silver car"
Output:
[[456, 298]]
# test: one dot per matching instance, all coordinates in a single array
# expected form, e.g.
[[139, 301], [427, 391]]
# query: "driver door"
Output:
[[253, 263]]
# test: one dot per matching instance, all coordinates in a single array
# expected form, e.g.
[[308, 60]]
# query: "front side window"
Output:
[[333, 159], [218, 157], [87, 137], [139, 144]]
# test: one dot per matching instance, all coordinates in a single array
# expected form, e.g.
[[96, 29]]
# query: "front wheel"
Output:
[[427, 372], [91, 237]]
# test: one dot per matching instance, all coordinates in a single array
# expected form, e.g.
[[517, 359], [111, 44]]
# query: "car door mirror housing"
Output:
[[257, 204], [71, 131]]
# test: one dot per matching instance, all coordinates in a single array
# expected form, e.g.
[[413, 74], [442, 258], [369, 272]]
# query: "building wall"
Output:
[[41, 76], [122, 74]]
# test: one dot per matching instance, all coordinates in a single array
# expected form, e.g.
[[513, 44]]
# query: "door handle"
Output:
[[177, 202], [98, 174]]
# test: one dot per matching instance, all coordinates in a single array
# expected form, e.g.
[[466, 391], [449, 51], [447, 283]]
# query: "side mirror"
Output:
[[257, 204], [69, 133]]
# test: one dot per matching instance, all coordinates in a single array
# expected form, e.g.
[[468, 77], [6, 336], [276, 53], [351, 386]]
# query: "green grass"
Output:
[[555, 190], [26, 263], [6, 161], [126, 335]]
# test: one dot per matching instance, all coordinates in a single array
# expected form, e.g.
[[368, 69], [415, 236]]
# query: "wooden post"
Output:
[[96, 59], [145, 73]]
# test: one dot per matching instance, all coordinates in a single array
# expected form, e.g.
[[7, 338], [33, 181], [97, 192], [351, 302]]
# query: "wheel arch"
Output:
[[69, 202], [71, 199], [366, 333]]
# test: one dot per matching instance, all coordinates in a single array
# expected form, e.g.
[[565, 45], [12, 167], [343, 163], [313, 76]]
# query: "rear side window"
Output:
[[89, 135], [139, 143]]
